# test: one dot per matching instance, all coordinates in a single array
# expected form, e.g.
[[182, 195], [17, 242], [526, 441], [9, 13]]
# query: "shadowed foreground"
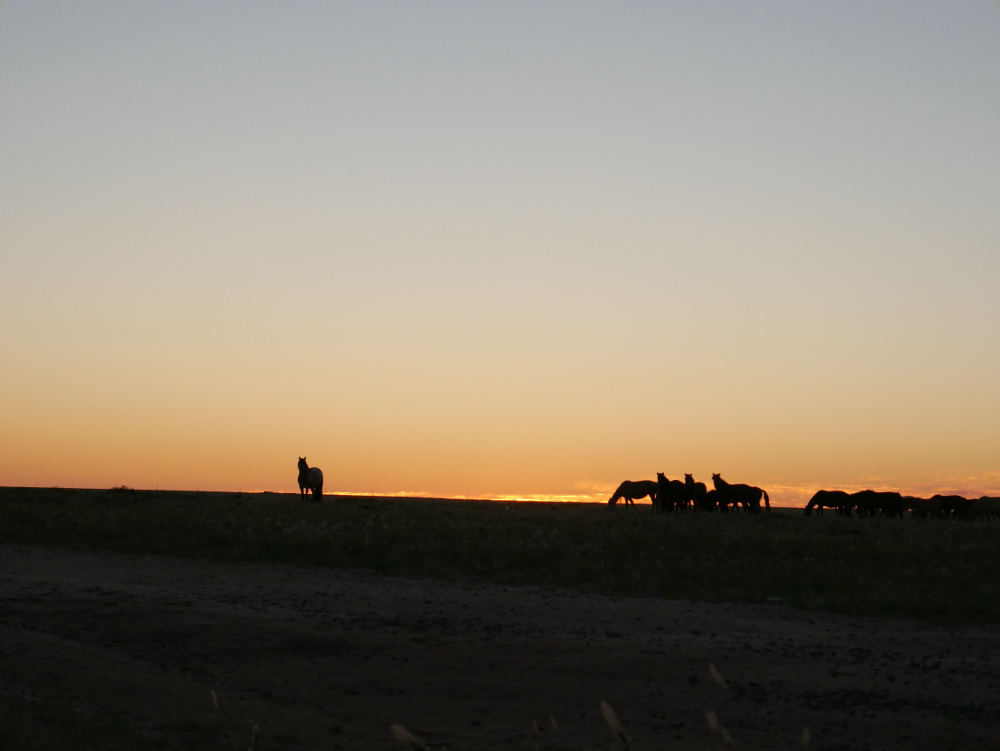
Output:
[[123, 651], [858, 566]]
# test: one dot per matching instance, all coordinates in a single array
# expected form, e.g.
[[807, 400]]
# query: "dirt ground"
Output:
[[323, 659]]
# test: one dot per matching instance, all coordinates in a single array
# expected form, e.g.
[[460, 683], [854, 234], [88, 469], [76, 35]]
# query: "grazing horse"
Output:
[[985, 508], [876, 503], [954, 505], [632, 489], [310, 478], [924, 508], [837, 499], [670, 494], [747, 496]]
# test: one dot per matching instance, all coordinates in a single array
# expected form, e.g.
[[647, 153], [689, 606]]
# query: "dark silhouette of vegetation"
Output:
[[871, 565]]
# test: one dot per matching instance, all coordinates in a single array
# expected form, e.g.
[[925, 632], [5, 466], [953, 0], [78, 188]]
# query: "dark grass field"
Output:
[[944, 570]]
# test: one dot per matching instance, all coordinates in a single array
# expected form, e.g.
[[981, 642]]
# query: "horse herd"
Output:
[[873, 503], [674, 495]]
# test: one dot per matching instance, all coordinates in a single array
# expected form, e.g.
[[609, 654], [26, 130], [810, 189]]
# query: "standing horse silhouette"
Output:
[[697, 494], [747, 496], [310, 478], [670, 494]]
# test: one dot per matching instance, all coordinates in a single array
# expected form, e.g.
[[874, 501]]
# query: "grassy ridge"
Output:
[[910, 567]]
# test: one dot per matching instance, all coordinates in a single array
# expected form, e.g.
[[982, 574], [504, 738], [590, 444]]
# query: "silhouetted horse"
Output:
[[712, 501], [985, 508], [630, 490], [962, 508], [924, 508], [875, 503], [697, 494], [747, 496], [837, 499], [310, 478], [670, 494], [954, 505]]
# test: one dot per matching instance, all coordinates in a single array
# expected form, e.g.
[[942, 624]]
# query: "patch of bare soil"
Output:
[[329, 659]]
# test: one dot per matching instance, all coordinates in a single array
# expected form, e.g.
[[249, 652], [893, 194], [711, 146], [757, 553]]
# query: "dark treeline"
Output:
[[895, 505]]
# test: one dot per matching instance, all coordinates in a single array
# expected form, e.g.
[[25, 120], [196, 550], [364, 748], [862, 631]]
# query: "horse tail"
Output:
[[767, 501], [318, 488]]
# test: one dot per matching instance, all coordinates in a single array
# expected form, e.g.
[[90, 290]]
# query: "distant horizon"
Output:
[[779, 500]]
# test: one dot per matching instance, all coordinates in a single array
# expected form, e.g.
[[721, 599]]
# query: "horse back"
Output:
[[311, 477], [644, 486]]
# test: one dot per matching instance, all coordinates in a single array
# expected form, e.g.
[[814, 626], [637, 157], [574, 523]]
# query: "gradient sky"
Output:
[[507, 249]]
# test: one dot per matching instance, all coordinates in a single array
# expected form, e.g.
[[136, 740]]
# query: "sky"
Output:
[[500, 250]]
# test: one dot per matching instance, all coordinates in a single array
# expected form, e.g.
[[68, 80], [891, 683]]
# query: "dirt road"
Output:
[[323, 659]]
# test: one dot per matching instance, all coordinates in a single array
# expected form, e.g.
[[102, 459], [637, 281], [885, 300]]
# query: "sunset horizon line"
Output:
[[782, 496]]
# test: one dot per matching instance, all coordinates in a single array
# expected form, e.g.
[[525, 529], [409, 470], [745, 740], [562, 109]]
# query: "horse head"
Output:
[[660, 477], [302, 464], [718, 481], [688, 479]]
